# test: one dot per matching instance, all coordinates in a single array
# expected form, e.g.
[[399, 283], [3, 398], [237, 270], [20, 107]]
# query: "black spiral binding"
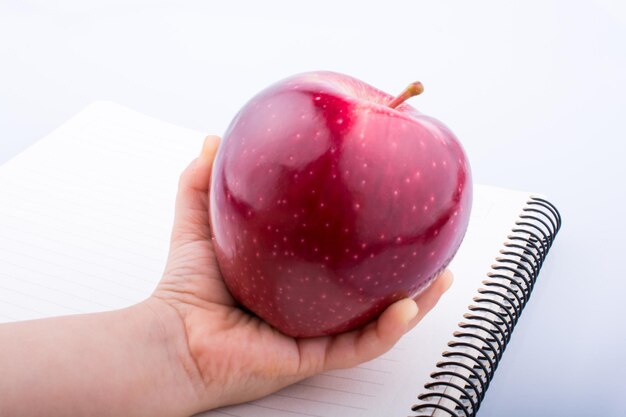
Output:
[[463, 376]]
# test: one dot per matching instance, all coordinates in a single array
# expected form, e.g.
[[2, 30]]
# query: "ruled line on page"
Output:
[[88, 300], [284, 410], [352, 379], [361, 394], [318, 401], [365, 368], [47, 300], [100, 290], [65, 267], [108, 214], [218, 411], [70, 255], [101, 182], [23, 307], [84, 237], [121, 282]]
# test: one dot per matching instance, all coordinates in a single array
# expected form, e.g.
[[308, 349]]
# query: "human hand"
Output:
[[230, 356]]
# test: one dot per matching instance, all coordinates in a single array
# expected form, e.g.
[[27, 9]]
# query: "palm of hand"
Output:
[[238, 357]]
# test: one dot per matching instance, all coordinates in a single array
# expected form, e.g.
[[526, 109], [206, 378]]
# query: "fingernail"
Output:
[[208, 146]]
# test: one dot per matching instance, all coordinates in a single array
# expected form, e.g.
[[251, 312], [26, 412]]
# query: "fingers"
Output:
[[431, 295], [350, 349], [192, 219]]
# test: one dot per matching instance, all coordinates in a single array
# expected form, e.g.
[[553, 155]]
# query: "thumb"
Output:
[[191, 220]]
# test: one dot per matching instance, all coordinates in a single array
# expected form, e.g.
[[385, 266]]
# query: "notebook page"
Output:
[[86, 212], [85, 217]]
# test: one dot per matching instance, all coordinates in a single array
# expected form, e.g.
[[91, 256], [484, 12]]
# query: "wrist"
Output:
[[177, 385]]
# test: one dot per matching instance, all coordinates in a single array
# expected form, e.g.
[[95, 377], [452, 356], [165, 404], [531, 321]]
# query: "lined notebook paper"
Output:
[[85, 217]]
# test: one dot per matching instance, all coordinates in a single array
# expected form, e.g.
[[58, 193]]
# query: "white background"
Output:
[[536, 91]]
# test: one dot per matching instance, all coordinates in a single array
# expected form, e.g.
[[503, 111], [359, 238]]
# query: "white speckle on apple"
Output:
[[417, 174], [414, 253], [399, 239], [321, 205], [339, 121], [357, 206], [444, 163], [432, 198], [395, 193], [311, 173], [363, 182], [365, 165], [425, 207], [269, 129], [431, 254], [368, 277], [414, 207], [455, 213], [317, 98], [434, 164], [362, 135]]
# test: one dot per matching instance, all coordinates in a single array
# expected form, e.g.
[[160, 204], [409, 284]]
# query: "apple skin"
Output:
[[326, 205]]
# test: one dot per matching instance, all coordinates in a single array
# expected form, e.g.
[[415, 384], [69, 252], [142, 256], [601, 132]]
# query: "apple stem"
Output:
[[413, 89]]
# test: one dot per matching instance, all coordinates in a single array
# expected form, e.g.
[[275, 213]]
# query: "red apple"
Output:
[[331, 199]]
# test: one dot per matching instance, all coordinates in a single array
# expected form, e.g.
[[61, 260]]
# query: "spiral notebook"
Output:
[[85, 217]]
